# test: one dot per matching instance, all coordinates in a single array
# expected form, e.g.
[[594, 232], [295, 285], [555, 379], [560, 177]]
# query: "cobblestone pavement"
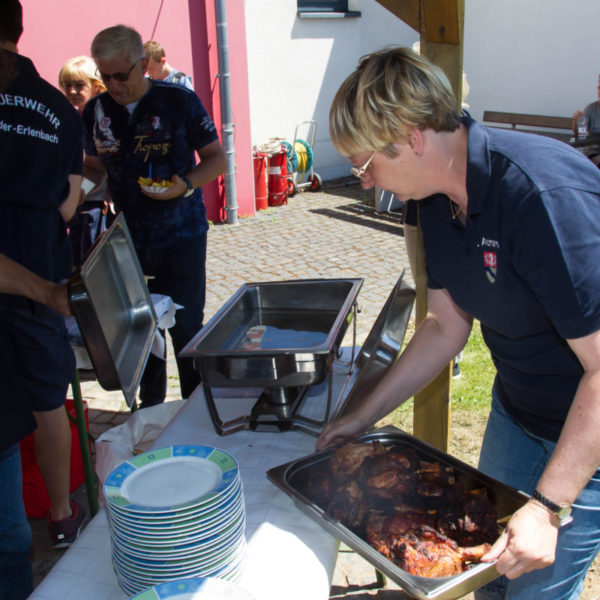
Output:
[[334, 233]]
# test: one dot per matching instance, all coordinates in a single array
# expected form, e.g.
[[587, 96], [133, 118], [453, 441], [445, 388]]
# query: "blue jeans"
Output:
[[179, 271], [16, 579], [518, 458]]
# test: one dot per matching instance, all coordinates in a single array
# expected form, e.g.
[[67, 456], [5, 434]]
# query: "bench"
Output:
[[560, 128]]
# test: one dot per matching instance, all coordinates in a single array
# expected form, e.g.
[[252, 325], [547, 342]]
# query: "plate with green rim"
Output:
[[171, 478], [195, 588]]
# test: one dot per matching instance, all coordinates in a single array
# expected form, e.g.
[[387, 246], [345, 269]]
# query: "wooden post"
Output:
[[441, 25]]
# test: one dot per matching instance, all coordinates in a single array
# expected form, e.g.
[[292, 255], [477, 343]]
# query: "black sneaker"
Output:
[[64, 532]]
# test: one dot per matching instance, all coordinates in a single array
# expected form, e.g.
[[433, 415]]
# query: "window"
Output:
[[323, 9]]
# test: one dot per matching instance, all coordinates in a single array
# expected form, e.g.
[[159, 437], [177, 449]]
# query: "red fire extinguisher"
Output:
[[260, 180], [277, 181]]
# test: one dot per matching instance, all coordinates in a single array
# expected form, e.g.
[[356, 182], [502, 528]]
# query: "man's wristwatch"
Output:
[[562, 511], [190, 187]]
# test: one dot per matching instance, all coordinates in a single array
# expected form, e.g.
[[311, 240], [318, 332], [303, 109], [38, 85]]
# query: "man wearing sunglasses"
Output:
[[144, 128]]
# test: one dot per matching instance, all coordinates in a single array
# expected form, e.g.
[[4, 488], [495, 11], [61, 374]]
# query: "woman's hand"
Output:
[[527, 543], [340, 430]]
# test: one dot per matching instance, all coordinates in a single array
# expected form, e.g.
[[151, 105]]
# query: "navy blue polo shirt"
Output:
[[526, 264], [40, 146], [158, 138]]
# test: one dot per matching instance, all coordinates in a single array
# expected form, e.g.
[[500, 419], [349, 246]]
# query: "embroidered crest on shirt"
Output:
[[104, 138], [490, 262]]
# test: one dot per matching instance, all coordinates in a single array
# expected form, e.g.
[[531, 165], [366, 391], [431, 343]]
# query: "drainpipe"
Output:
[[226, 118]]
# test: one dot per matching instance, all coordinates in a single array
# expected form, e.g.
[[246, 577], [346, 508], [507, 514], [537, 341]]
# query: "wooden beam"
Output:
[[440, 21], [407, 10], [448, 55]]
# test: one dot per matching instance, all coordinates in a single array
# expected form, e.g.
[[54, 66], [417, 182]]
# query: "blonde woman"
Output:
[[79, 82]]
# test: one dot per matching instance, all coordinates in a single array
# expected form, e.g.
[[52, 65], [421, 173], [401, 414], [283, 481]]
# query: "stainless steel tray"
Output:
[[292, 478], [110, 301], [306, 318]]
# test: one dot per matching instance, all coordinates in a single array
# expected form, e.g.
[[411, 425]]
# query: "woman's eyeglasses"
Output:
[[120, 77], [360, 171]]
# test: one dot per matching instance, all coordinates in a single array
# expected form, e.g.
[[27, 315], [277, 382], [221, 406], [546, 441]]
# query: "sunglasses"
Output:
[[120, 77], [360, 171]]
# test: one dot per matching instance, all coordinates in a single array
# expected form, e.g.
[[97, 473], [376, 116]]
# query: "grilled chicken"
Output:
[[414, 512], [427, 553]]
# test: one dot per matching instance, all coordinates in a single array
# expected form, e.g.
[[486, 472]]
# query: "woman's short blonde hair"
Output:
[[80, 68], [392, 92]]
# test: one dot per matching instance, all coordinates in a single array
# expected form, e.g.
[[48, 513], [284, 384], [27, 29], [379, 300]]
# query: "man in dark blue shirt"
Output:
[[40, 177], [140, 128], [511, 230]]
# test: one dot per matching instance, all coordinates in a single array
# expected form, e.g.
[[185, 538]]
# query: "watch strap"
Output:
[[563, 512], [190, 187], [555, 508]]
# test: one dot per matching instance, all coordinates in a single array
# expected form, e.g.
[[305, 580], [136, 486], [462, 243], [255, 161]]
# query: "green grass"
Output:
[[472, 390], [470, 400]]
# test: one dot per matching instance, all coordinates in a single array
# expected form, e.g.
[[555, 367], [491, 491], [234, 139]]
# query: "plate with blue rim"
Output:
[[221, 559], [170, 479], [226, 504], [185, 531], [229, 568], [195, 588], [156, 545]]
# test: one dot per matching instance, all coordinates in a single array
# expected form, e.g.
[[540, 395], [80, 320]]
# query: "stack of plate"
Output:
[[195, 588], [173, 513]]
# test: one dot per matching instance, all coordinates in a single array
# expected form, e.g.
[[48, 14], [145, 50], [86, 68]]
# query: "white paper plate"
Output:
[[155, 189], [196, 588]]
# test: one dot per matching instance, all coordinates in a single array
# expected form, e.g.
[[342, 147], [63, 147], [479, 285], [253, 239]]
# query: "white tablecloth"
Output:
[[289, 555]]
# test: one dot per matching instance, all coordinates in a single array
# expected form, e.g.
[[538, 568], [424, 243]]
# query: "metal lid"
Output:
[[381, 347], [111, 303]]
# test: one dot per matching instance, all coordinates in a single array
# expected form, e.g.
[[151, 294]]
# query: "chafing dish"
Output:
[[280, 336]]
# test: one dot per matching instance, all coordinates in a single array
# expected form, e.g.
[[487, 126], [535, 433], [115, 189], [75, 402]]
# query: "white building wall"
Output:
[[533, 56]]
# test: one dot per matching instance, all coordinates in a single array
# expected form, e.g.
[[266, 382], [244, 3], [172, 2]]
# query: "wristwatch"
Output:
[[562, 511], [190, 187]]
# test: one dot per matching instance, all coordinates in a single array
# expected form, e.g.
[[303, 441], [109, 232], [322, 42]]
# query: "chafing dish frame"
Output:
[[285, 373]]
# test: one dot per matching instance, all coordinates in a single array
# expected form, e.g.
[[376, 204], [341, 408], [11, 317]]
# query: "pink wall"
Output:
[[60, 29]]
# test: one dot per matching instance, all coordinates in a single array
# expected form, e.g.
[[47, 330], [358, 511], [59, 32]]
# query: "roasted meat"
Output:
[[427, 553], [412, 511], [346, 461]]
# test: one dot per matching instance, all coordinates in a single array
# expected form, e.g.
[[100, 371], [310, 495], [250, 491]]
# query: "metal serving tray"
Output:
[[301, 321], [110, 301], [292, 478]]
